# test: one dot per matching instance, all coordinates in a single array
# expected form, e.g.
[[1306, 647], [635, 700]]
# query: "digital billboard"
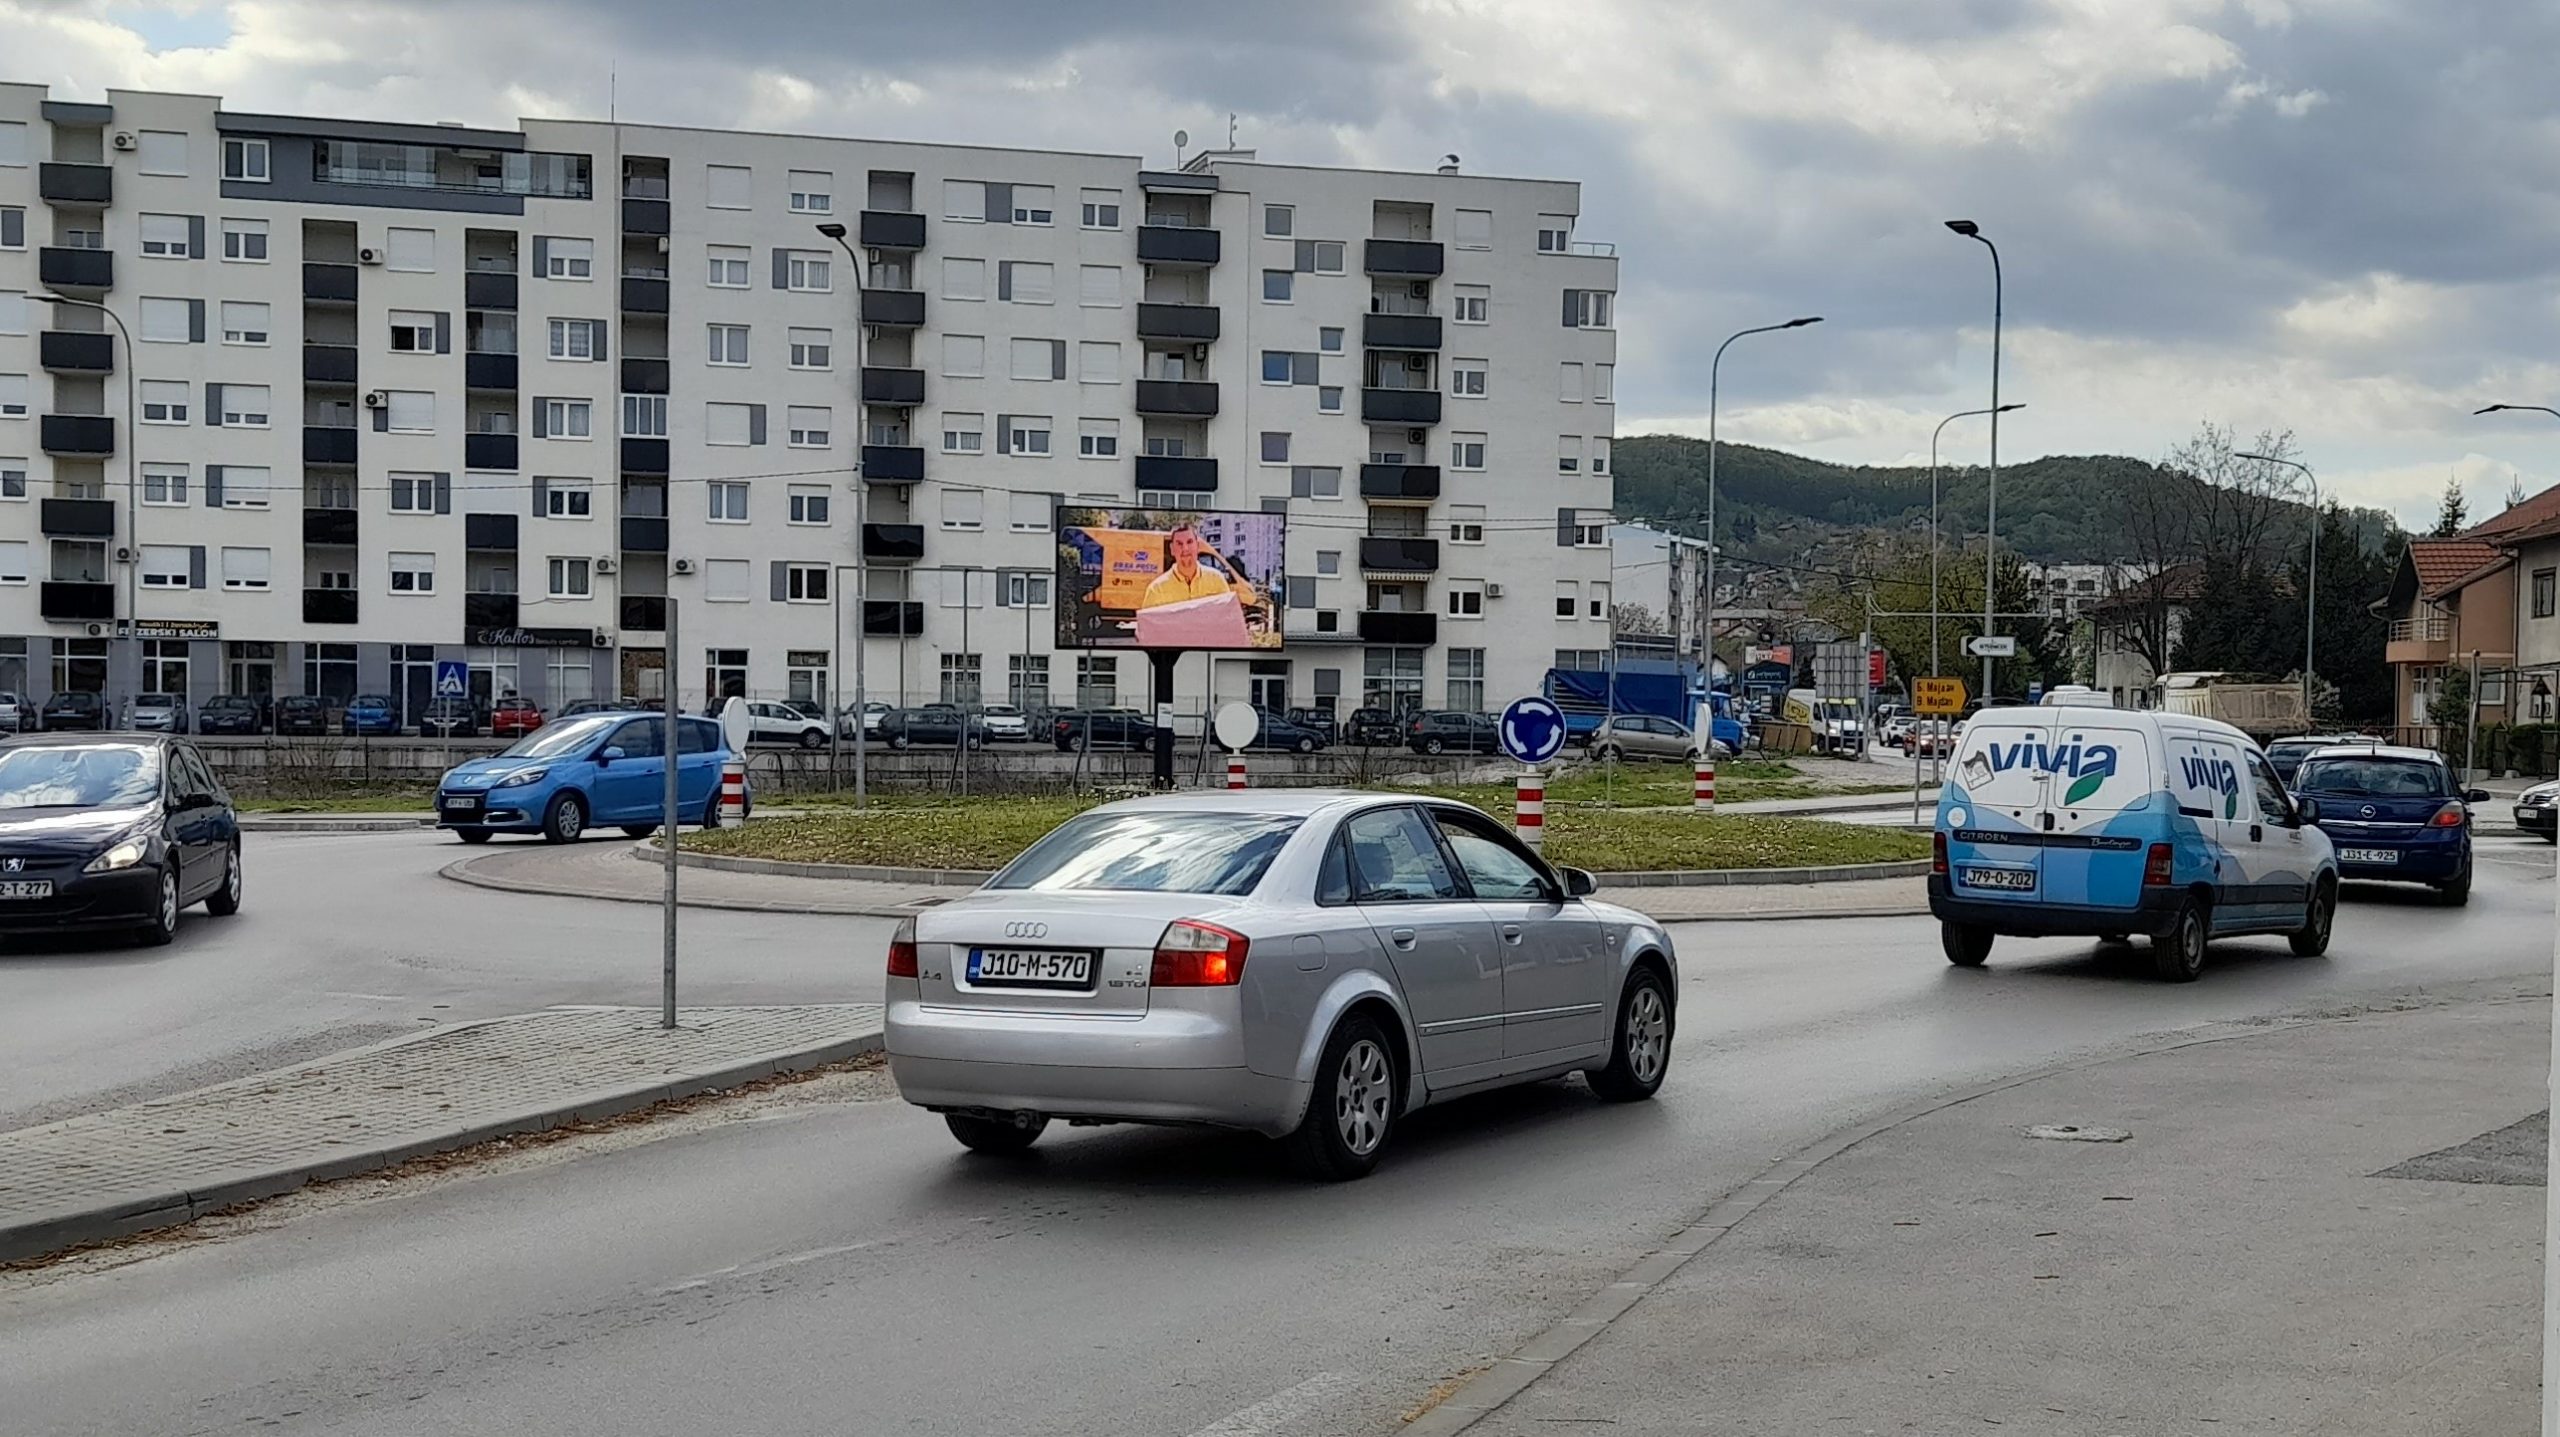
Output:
[[1170, 578]]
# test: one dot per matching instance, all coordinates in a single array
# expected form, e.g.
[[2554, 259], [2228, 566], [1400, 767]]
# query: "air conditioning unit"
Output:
[[1417, 436], [1199, 354], [124, 555], [368, 256], [97, 631], [662, 244], [1493, 591], [1419, 289], [124, 140], [1418, 363], [604, 563], [684, 566], [603, 639], [377, 399]]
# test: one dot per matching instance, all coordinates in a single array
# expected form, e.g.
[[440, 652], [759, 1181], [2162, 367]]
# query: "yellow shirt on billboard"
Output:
[[1170, 587]]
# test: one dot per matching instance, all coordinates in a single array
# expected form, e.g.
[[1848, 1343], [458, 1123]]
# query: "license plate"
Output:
[[2015, 880], [1030, 968], [463, 800], [2368, 855], [27, 888]]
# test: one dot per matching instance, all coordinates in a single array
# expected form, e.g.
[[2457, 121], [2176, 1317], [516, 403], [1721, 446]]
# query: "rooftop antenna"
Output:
[[1180, 139], [1231, 129]]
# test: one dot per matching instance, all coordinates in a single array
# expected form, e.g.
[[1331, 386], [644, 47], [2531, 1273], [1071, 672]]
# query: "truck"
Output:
[[1670, 689], [2260, 708]]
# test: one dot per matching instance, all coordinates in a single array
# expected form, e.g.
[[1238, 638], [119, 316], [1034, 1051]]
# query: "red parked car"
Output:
[[514, 718]]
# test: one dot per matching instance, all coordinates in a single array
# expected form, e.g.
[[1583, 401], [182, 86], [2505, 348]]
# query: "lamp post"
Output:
[[1934, 667], [861, 565], [2311, 576], [1991, 521], [132, 471], [1707, 606]]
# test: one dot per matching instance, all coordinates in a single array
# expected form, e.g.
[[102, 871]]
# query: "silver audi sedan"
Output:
[[1307, 965]]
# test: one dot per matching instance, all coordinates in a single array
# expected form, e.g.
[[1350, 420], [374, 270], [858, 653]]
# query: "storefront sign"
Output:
[[519, 638], [807, 658], [168, 629]]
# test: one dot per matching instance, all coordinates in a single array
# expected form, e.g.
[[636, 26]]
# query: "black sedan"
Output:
[[304, 714], [1280, 733], [1375, 727], [230, 713], [932, 723], [1101, 728], [70, 710], [113, 831], [1449, 731]]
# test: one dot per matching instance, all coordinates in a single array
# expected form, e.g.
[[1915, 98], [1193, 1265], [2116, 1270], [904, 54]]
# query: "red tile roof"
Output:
[[2443, 565], [2541, 509], [2177, 584]]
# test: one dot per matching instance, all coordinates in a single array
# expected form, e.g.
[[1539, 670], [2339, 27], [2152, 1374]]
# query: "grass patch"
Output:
[[1659, 785], [1616, 841], [418, 800]]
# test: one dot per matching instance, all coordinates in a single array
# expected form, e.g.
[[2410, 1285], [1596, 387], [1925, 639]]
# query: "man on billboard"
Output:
[[1200, 580], [1183, 579]]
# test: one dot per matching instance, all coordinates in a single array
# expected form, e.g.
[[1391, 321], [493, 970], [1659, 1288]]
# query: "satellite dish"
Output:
[[1235, 725], [1181, 138]]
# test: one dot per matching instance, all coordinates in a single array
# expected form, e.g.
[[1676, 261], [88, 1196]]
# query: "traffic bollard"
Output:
[[1529, 809], [1703, 790], [1235, 770], [733, 792]]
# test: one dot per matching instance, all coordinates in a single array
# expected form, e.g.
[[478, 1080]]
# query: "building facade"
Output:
[[1659, 578], [324, 402]]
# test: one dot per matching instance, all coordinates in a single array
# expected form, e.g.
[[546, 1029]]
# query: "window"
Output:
[[1098, 286], [413, 573], [575, 418], [965, 201], [728, 187], [1027, 434], [13, 479], [1315, 481], [728, 266], [569, 258], [243, 322], [1466, 682], [167, 566], [1279, 221], [812, 348], [961, 678], [1474, 230], [1466, 451], [724, 581], [1569, 382], [1568, 599], [1320, 256], [15, 560], [728, 344], [808, 272], [1039, 359], [1278, 285], [411, 251], [813, 192], [728, 501], [1328, 562], [13, 143], [413, 493], [245, 569], [13, 227], [2544, 583], [805, 583], [568, 499], [964, 509], [1281, 366], [809, 503], [809, 426], [1587, 308], [1471, 304], [1098, 438], [413, 331], [1097, 681], [644, 416], [964, 433], [1555, 234], [164, 236], [1101, 209], [574, 339], [1600, 454], [571, 578], [1033, 204], [412, 411], [1466, 523], [245, 405], [13, 396], [245, 160], [1275, 447], [1027, 513], [1329, 399], [1599, 605], [964, 279], [1025, 283], [1604, 380], [1097, 362], [1466, 378], [164, 484], [1591, 534], [164, 152], [1024, 589], [13, 311], [964, 356], [1568, 454], [1466, 600], [168, 321]]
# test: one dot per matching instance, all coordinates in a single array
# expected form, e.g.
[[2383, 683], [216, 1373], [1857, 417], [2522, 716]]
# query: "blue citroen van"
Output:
[[2104, 823], [596, 770]]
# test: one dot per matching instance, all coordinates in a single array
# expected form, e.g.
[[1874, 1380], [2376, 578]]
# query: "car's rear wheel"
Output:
[[163, 922], [565, 821], [2177, 956], [2457, 892], [897, 740], [2312, 938], [995, 1135], [1967, 945], [1432, 745], [225, 900], [1306, 745], [1641, 1055], [472, 835], [1352, 1111], [813, 738], [638, 830]]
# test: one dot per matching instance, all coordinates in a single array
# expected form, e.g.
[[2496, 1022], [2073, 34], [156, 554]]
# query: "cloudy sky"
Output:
[[2337, 216]]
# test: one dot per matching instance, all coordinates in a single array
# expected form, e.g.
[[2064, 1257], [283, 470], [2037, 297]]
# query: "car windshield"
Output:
[[2375, 777], [227, 701], [1152, 853], [155, 701], [555, 740], [82, 776], [378, 701]]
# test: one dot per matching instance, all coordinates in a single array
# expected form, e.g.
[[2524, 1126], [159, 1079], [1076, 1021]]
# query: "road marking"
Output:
[[1281, 1409], [375, 997], [758, 1269]]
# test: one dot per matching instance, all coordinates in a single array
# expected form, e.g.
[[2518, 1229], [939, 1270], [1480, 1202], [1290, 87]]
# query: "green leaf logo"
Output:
[[2085, 786], [2231, 803]]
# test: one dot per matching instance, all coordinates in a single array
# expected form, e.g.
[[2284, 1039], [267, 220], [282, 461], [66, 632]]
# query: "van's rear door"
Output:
[[2107, 802], [1994, 810]]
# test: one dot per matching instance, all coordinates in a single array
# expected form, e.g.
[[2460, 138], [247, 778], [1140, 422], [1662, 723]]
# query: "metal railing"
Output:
[[2434, 630]]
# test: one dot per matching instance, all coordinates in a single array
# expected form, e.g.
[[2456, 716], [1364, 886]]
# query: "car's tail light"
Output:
[[1937, 853], [902, 950], [2158, 867], [1192, 954], [2452, 815]]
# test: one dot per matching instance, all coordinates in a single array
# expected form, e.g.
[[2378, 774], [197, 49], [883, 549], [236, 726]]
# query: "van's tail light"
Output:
[[2158, 867], [902, 950], [2452, 815], [1937, 853], [1192, 954]]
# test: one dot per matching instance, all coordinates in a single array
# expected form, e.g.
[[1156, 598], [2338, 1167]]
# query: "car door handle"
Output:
[[1401, 937], [1511, 933], [2257, 834]]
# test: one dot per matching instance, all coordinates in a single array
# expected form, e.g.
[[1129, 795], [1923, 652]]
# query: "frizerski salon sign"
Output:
[[513, 638], [168, 629]]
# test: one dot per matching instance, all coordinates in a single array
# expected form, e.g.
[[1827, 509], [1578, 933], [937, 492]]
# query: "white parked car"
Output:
[[1005, 723], [780, 723]]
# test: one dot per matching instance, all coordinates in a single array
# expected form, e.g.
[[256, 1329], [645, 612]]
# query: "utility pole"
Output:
[[1991, 525]]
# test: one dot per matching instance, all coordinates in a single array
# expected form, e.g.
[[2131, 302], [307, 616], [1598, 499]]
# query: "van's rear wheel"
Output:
[[1967, 944], [2177, 955]]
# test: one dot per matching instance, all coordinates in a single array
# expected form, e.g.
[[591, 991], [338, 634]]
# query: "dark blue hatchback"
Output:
[[2393, 814]]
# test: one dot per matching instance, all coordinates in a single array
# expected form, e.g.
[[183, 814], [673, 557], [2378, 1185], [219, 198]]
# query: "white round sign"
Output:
[[733, 723], [1235, 725]]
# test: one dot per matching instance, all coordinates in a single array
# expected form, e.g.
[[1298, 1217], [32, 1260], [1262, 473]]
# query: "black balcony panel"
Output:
[[892, 386], [1400, 406], [646, 217], [1398, 555], [1400, 331], [1181, 323], [1183, 398], [892, 229], [335, 527], [328, 364], [1177, 246], [329, 283], [644, 613], [328, 444], [70, 184], [62, 267], [1192, 472], [644, 456], [489, 611], [485, 289], [643, 534], [893, 543], [77, 434], [78, 518], [1389, 256], [892, 463], [489, 371], [892, 618], [1409, 630], [644, 376], [489, 533], [67, 352], [328, 606], [489, 451], [642, 294], [893, 308], [1419, 483], [64, 599]]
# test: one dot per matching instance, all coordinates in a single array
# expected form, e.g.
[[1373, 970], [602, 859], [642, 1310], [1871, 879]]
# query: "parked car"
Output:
[[806, 709], [1375, 728], [873, 711], [1156, 914], [514, 717], [595, 769], [1103, 728], [623, 705], [1626, 736], [2538, 811], [158, 713], [302, 715], [1933, 738], [1444, 730], [1005, 723], [2285, 755], [2394, 813], [113, 831], [771, 722], [931, 723], [1281, 733], [372, 716], [231, 714], [1321, 720], [1895, 732], [68, 710], [17, 713], [449, 718]]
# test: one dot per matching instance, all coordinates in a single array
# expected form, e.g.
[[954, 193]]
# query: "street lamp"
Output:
[[2536, 408], [861, 566], [1991, 522], [1934, 668], [2311, 576], [132, 470], [1707, 608]]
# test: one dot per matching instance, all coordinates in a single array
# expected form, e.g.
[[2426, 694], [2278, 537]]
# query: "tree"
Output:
[[1893, 572], [2451, 712], [2352, 636], [2515, 490], [1636, 619], [2454, 515]]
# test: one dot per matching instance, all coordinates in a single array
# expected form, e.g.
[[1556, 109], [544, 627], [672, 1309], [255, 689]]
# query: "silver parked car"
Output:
[[1311, 966], [1626, 736], [157, 713]]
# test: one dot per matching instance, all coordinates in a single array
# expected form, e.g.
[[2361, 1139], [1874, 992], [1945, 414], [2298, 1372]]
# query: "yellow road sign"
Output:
[[1937, 697]]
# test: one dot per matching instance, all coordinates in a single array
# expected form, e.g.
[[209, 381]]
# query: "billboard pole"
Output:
[[1162, 662]]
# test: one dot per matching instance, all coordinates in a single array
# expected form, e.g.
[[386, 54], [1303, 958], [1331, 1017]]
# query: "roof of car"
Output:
[[1288, 802], [2377, 749], [126, 737]]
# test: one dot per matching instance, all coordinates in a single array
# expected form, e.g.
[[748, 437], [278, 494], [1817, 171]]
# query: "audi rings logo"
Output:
[[1011, 930], [13, 865]]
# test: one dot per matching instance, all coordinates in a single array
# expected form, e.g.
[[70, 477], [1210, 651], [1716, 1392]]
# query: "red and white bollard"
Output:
[[733, 792], [1703, 789], [1529, 809], [1235, 770]]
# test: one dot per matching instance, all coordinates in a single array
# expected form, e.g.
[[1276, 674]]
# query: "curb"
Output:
[[460, 871], [173, 1209], [1744, 877], [290, 823], [1872, 910], [783, 868]]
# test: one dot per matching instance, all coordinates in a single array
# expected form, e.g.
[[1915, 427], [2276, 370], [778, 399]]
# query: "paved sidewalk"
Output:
[[171, 1160], [2321, 1228]]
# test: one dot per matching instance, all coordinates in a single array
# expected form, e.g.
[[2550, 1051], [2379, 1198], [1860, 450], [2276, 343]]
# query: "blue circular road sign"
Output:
[[1532, 730]]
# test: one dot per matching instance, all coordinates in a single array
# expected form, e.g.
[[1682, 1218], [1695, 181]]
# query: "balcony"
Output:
[[328, 284], [901, 387], [328, 606], [88, 270], [65, 352], [78, 518], [644, 613], [643, 534], [1400, 331], [2424, 640], [892, 229], [489, 611], [488, 289], [644, 456], [489, 451], [644, 376], [71, 599], [58, 183], [1408, 630], [489, 533], [893, 543], [1178, 398], [1404, 257], [329, 444], [334, 527], [1180, 323], [1197, 474], [646, 217], [1400, 406], [329, 364], [489, 372], [890, 619], [893, 308], [77, 434], [644, 294], [892, 463], [1398, 555], [1400, 483], [1177, 246]]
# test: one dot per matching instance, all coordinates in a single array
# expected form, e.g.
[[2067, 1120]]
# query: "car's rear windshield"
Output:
[[1144, 852], [2374, 777], [109, 775]]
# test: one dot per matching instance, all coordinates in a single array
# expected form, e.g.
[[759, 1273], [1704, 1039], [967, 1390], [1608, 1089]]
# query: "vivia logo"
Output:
[[2213, 775], [2088, 766]]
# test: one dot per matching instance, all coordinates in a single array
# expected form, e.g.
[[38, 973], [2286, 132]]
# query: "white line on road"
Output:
[[1282, 1408], [375, 997], [757, 1269]]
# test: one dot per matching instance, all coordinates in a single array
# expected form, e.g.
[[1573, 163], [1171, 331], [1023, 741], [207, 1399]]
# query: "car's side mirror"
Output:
[[1578, 883], [2307, 809], [2476, 795], [609, 753]]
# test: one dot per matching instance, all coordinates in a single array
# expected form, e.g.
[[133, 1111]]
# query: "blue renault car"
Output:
[[371, 716], [2394, 814], [596, 770]]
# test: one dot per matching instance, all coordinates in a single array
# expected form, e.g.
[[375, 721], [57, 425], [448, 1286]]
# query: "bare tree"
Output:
[[1636, 619], [2244, 500], [2160, 530]]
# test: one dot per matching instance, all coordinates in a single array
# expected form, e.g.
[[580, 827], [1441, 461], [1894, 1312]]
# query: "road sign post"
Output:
[[1532, 731], [1992, 646], [1529, 808], [1235, 726]]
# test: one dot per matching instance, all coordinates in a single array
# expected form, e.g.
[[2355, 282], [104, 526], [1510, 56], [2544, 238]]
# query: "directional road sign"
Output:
[[1532, 730], [1937, 697], [1992, 646], [453, 679]]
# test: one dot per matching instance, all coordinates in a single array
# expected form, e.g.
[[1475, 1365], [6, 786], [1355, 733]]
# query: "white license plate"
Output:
[[27, 888], [1030, 968], [463, 800], [2368, 855], [2016, 880]]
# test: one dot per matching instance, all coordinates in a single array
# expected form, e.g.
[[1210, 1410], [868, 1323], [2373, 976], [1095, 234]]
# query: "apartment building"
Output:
[[326, 401]]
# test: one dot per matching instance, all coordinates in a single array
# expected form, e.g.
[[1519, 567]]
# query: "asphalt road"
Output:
[[842, 1267]]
